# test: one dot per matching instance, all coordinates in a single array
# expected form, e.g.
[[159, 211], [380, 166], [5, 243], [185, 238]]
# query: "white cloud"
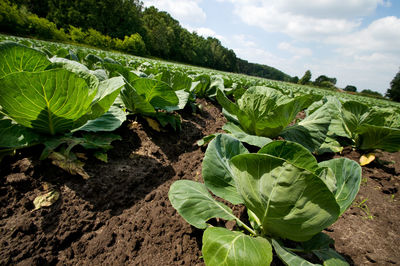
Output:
[[382, 35], [305, 19], [246, 48], [182, 10], [300, 52], [331, 8], [244, 40], [207, 32]]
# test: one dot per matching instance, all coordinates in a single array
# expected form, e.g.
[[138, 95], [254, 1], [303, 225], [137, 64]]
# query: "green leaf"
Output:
[[293, 153], [356, 114], [16, 136], [231, 118], [379, 137], [258, 116], [107, 92], [116, 70], [264, 111], [207, 139], [109, 121], [216, 84], [288, 257], [15, 57], [100, 74], [169, 119], [195, 204], [318, 242], [278, 191], [81, 70], [229, 106], [224, 247], [201, 85], [331, 258], [50, 101], [330, 145], [334, 107], [183, 97], [326, 174], [98, 140], [238, 133], [310, 132], [217, 173], [158, 93], [320, 246], [92, 59], [348, 180], [353, 115], [176, 80], [287, 110], [102, 156], [371, 128], [135, 102]]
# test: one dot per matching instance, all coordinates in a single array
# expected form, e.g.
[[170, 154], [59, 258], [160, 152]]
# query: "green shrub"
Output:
[[118, 44], [76, 34], [45, 29], [95, 38], [134, 44], [11, 19]]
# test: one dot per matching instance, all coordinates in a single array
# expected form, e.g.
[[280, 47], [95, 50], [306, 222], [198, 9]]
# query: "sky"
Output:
[[356, 41]]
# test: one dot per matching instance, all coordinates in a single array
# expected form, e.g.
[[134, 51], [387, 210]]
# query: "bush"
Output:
[[350, 88], [134, 44], [371, 93], [118, 44], [11, 19], [95, 38], [45, 29], [76, 34]]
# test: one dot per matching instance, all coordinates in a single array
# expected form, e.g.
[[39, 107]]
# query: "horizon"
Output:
[[357, 42]]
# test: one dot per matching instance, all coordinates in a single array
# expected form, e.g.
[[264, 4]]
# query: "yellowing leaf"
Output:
[[71, 165], [46, 200], [81, 155], [102, 156], [367, 158], [153, 124]]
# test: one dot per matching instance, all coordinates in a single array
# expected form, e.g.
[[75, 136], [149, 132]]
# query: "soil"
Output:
[[122, 215]]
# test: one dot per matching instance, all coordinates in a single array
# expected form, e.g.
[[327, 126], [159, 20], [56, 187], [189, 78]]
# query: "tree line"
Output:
[[124, 25]]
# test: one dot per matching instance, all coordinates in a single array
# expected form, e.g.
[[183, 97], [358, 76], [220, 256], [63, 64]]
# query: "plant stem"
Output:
[[240, 223], [296, 250]]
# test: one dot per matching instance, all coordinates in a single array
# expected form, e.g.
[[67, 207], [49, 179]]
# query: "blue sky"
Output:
[[356, 41]]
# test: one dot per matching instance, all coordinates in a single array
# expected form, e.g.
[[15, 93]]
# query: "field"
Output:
[[122, 213]]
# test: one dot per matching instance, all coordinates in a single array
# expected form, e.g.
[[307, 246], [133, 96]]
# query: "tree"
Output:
[[394, 92], [323, 80], [350, 88], [306, 78], [371, 93]]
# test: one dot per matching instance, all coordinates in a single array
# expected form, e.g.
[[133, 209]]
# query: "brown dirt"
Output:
[[369, 231], [122, 215]]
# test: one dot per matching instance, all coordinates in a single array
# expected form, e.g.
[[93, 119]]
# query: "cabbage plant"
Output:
[[266, 112], [371, 127], [288, 195], [42, 100], [152, 97]]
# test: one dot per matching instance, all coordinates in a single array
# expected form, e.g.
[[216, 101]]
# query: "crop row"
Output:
[[61, 98]]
